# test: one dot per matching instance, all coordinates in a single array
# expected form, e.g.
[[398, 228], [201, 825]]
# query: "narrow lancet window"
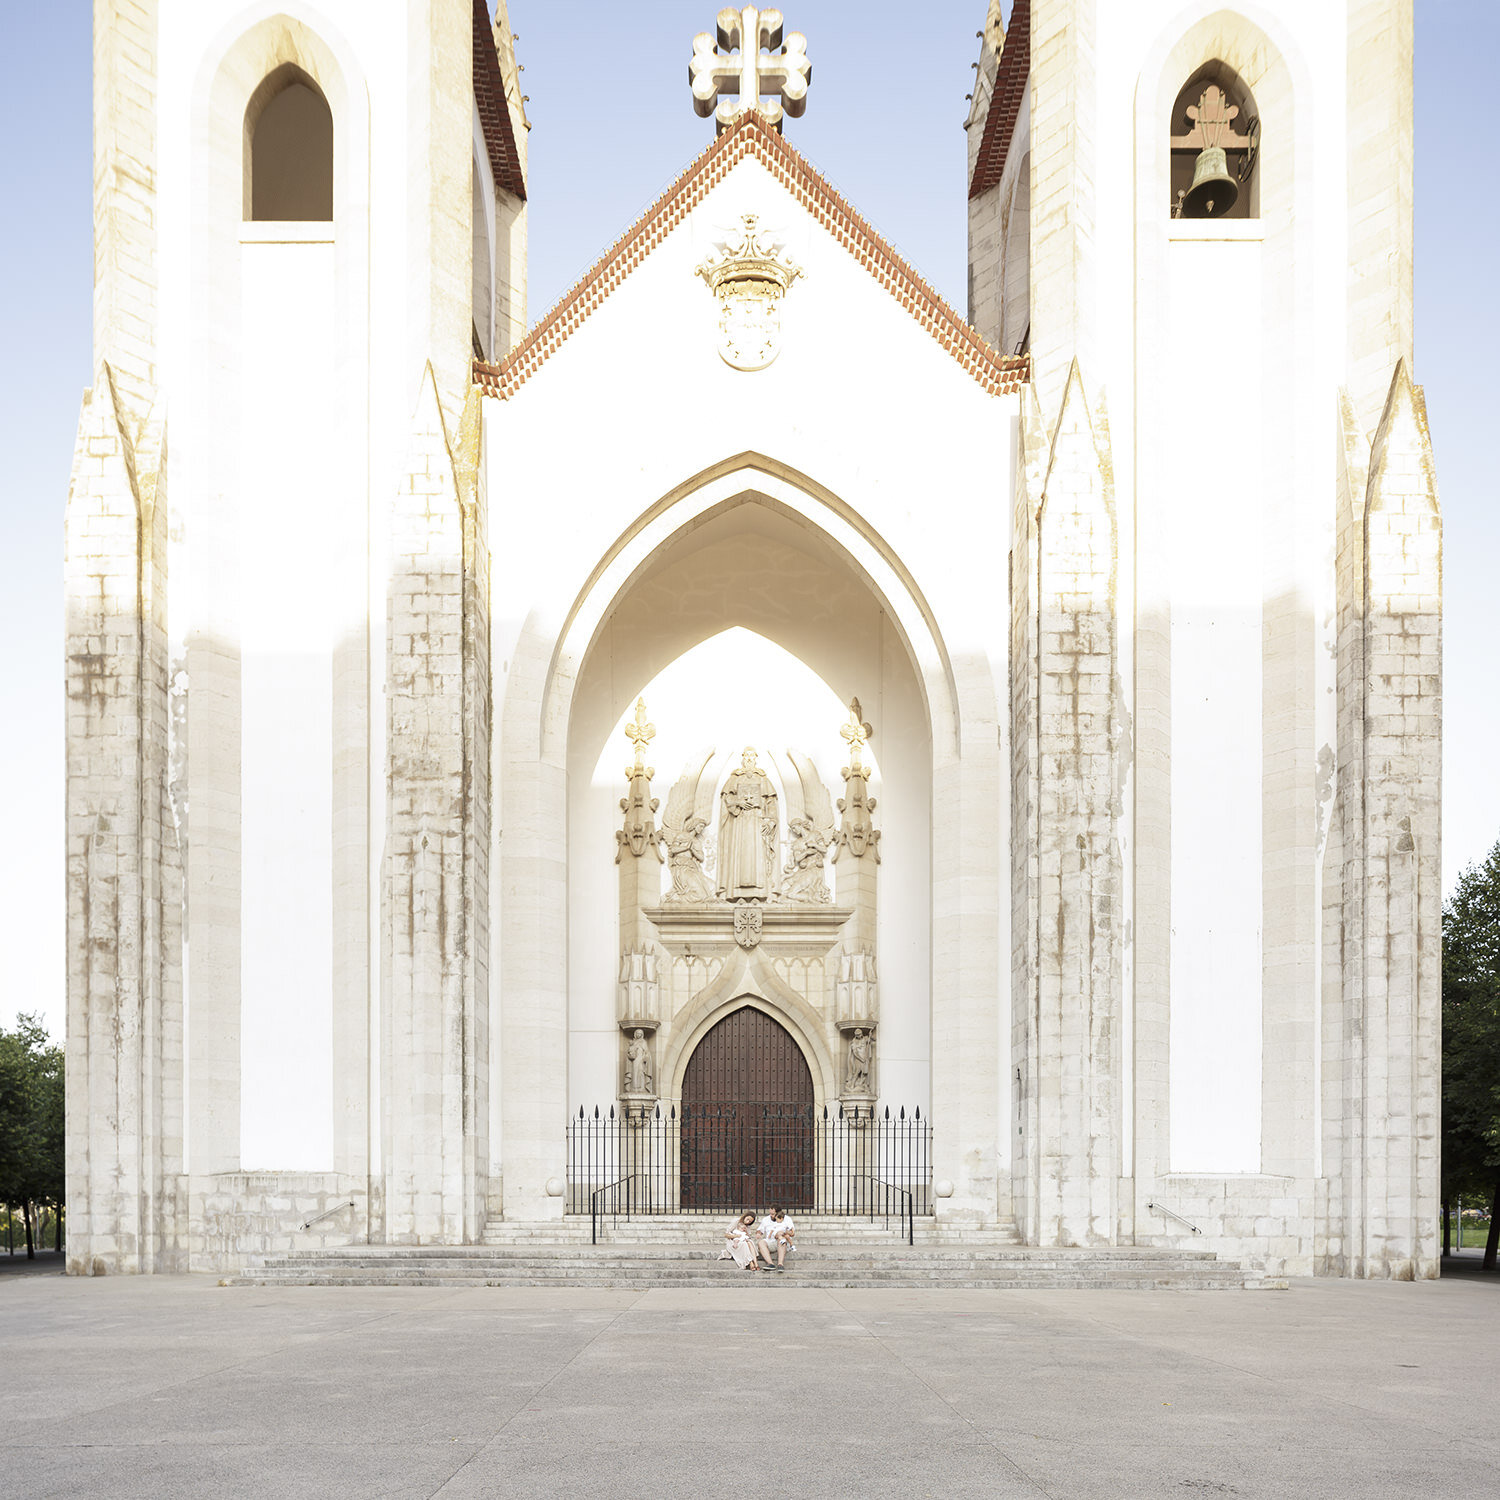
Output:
[[289, 151]]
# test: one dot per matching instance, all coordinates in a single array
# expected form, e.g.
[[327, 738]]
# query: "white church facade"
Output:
[[756, 690]]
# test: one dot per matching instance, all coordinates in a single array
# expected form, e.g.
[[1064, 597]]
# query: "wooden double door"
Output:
[[747, 1118]]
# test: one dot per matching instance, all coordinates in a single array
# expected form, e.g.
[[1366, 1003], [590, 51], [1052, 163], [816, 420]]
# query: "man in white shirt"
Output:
[[779, 1234]]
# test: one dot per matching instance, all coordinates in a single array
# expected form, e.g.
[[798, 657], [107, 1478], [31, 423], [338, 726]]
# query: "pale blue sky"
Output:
[[883, 124]]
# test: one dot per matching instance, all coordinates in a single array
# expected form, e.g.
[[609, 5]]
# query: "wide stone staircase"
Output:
[[833, 1254]]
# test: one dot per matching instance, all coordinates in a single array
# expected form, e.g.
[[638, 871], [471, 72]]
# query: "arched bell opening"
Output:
[[288, 150], [1215, 146]]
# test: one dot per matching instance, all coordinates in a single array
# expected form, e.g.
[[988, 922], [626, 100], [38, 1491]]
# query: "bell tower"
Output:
[[1205, 244], [305, 230]]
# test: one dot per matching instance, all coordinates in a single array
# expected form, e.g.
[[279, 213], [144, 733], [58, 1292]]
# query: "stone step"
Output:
[[697, 1230], [677, 1265], [679, 1255], [643, 1282]]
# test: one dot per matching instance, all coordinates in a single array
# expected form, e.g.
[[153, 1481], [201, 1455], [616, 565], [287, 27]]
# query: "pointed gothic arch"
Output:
[[955, 711], [288, 149]]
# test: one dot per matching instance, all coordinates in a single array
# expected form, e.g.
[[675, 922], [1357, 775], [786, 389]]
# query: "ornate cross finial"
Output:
[[1213, 118], [640, 733], [857, 733], [786, 73]]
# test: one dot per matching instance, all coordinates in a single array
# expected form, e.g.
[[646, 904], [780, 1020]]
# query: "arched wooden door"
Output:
[[747, 1118]]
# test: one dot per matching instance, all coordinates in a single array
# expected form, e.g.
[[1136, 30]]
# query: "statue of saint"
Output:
[[685, 856], [858, 1076], [749, 832], [638, 1065]]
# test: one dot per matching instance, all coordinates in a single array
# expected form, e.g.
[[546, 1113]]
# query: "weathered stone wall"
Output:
[[124, 1039], [434, 1036], [1384, 1036], [1078, 1003], [236, 1216]]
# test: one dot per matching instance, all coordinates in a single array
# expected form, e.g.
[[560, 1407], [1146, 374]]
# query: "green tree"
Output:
[[1471, 1041], [32, 1171]]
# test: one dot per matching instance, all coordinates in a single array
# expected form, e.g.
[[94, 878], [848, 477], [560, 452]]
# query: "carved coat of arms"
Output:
[[747, 924], [749, 273]]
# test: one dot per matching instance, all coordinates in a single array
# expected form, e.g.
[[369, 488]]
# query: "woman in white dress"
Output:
[[740, 1243]]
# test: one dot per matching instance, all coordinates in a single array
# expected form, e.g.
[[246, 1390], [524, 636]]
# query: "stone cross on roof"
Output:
[[785, 73]]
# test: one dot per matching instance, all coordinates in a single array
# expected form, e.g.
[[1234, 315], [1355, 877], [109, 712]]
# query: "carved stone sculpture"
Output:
[[639, 831], [811, 832], [684, 834], [749, 827], [749, 273], [861, 1056], [638, 1075], [685, 858], [858, 835]]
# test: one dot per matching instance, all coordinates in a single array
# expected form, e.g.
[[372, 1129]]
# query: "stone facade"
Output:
[[1137, 890]]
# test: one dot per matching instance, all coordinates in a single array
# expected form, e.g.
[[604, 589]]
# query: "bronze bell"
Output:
[[1214, 191]]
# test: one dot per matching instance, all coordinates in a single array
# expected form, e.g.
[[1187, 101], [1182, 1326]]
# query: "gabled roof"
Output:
[[751, 136], [1005, 101], [494, 112]]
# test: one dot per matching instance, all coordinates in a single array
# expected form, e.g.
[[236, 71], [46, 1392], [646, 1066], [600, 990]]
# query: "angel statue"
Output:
[[811, 832], [684, 831]]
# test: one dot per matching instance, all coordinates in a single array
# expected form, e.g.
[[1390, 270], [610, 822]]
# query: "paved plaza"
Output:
[[176, 1387]]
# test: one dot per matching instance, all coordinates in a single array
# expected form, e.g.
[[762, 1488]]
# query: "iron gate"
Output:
[[713, 1159]]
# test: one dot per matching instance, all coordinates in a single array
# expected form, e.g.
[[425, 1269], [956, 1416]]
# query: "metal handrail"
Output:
[[594, 1204], [327, 1213], [910, 1212], [1166, 1213]]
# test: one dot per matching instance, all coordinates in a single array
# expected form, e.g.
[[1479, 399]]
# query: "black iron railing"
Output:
[[720, 1158]]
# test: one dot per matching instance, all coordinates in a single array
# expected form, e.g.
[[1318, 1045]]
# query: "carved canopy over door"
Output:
[[747, 1118]]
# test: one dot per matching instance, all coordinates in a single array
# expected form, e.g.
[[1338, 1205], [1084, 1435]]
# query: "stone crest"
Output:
[[747, 924], [749, 271]]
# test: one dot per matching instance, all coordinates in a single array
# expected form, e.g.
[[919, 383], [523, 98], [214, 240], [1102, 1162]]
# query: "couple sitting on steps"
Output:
[[745, 1241]]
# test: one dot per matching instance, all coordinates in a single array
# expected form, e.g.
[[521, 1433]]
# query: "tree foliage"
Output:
[[31, 1121], [1471, 1040]]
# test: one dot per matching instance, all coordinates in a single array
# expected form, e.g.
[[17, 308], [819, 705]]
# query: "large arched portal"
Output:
[[747, 630], [747, 1117], [893, 986]]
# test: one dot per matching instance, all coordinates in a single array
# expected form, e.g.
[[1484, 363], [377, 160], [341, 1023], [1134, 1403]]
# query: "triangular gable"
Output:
[[751, 136]]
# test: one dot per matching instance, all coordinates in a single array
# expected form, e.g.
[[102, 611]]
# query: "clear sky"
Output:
[[883, 123]]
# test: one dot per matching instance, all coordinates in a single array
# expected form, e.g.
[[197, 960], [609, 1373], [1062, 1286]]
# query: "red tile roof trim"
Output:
[[494, 112], [998, 374], [1005, 101]]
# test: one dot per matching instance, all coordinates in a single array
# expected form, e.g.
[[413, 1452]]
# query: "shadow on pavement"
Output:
[[47, 1261]]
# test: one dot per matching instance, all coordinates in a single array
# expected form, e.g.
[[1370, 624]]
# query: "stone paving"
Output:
[[177, 1387]]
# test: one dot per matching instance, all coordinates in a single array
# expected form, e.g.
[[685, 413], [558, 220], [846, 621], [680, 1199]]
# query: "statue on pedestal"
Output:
[[749, 832], [861, 1055], [638, 1075]]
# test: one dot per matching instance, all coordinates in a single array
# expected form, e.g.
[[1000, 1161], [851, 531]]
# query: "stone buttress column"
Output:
[[435, 898], [124, 1038], [1386, 1043], [1075, 964], [124, 1016]]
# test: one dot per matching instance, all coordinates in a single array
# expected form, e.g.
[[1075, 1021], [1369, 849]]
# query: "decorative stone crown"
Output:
[[749, 255]]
